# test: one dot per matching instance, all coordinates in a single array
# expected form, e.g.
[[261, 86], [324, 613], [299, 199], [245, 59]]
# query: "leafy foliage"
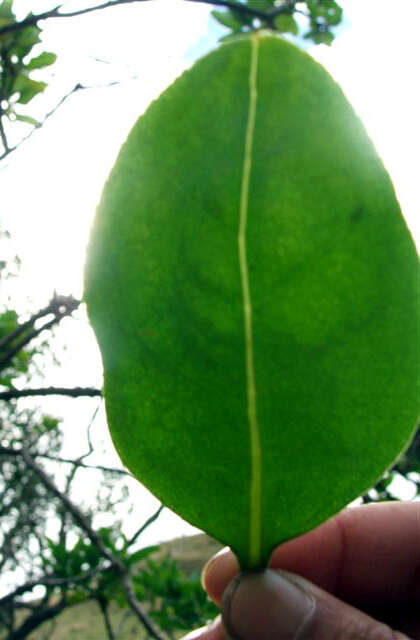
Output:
[[25, 505], [315, 18], [17, 86], [176, 599]]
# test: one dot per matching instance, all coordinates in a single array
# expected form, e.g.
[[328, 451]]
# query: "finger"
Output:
[[368, 555], [212, 632], [217, 574], [365, 555], [277, 605]]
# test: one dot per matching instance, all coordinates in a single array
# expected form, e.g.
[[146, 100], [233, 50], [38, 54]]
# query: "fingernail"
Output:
[[266, 605]]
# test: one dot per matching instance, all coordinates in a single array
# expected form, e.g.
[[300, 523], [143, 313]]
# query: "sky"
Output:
[[50, 187]]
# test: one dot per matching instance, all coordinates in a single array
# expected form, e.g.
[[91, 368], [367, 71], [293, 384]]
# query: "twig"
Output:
[[137, 609], [104, 607], [144, 526], [10, 451], [59, 307], [51, 581], [35, 620], [4, 65], [72, 508], [56, 305], [89, 436], [3, 137], [82, 465], [12, 335], [74, 392], [77, 87]]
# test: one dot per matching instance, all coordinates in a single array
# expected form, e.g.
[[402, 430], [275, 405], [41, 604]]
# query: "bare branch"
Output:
[[144, 526], [137, 609], [38, 618], [104, 607], [3, 137], [89, 436], [72, 508], [51, 581], [10, 451], [82, 465], [76, 88], [74, 392]]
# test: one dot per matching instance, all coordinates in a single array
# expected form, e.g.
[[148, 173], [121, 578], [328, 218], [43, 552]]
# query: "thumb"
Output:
[[277, 605]]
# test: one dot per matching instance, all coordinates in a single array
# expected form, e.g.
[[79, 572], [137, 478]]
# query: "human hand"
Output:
[[356, 577]]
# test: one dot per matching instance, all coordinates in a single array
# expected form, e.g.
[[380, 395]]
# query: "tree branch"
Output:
[[76, 88], [10, 451], [82, 465], [53, 306], [89, 435], [83, 522], [51, 581], [144, 526], [32, 20], [137, 609], [72, 508], [75, 392], [59, 307], [3, 137], [36, 619], [104, 607]]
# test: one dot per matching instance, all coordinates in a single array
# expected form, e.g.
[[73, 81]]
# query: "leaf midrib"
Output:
[[254, 431]]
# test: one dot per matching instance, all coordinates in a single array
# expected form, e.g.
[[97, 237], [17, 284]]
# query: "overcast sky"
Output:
[[50, 188]]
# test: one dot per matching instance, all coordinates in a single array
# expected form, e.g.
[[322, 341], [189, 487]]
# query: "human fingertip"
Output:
[[265, 605], [211, 632], [218, 572]]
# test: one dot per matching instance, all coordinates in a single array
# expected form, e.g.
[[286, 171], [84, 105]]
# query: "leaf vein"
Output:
[[254, 432]]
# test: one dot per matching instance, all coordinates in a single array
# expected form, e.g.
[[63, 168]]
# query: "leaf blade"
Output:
[[331, 329]]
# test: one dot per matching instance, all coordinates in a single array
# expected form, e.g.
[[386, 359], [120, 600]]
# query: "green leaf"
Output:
[[286, 24], [6, 12], [8, 322], [320, 37], [49, 423], [6, 381], [43, 60], [226, 19], [135, 557], [27, 88], [24, 41], [253, 288]]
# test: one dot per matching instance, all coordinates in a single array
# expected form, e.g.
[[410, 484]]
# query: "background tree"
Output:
[[83, 561]]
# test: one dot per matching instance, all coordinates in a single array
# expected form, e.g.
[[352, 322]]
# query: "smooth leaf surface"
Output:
[[252, 285]]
